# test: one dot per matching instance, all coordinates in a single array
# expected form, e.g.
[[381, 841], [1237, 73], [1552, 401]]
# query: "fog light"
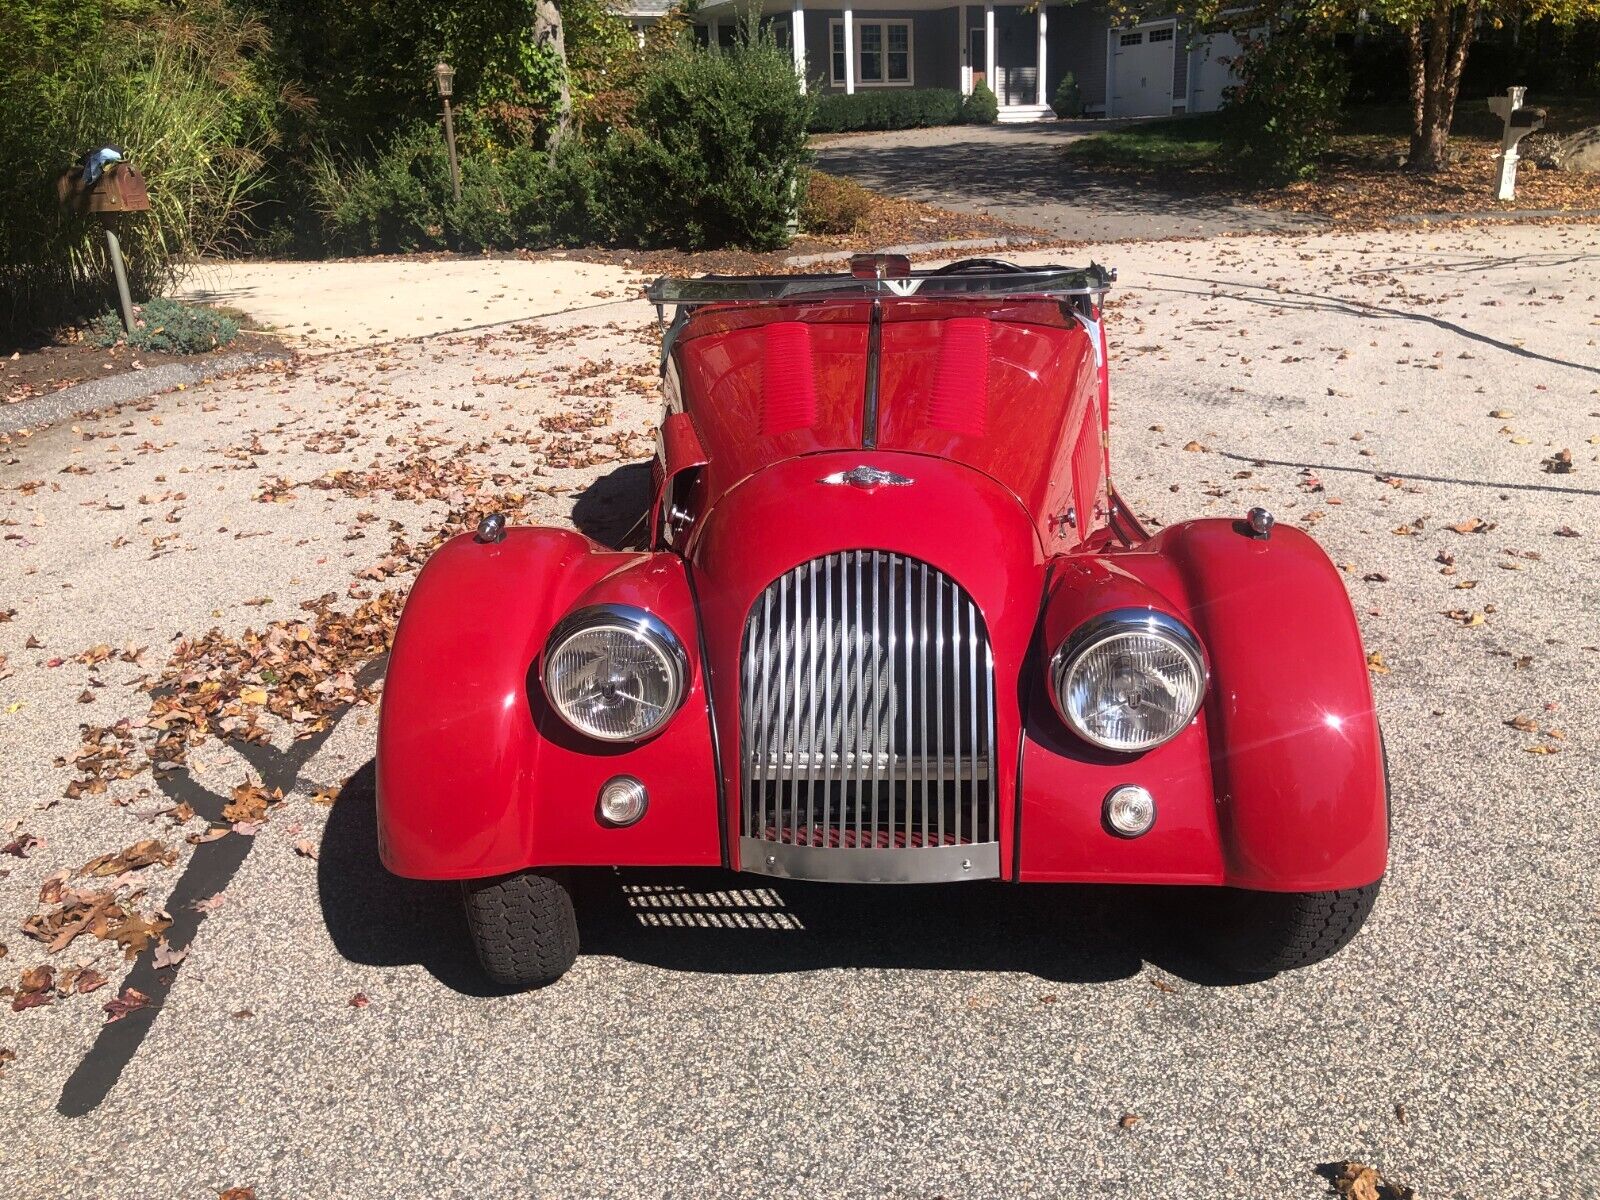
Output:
[[622, 800], [1130, 811]]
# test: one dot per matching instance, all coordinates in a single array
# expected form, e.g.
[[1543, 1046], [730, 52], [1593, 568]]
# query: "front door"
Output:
[[977, 55], [1016, 56]]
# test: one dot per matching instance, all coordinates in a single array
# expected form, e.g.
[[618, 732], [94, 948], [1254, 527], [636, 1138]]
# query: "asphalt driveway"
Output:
[[1018, 173], [314, 1028]]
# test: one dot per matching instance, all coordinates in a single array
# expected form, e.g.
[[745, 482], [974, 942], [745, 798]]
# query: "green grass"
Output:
[[1181, 142]]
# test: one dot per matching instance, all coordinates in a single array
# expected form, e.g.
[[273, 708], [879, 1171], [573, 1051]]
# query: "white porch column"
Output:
[[988, 50], [714, 35], [1043, 28], [797, 41], [849, 52]]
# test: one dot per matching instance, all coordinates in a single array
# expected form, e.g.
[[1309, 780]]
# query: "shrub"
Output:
[[1068, 100], [179, 90], [834, 205], [981, 108], [168, 327], [716, 152], [402, 201], [885, 108], [1280, 118], [713, 155]]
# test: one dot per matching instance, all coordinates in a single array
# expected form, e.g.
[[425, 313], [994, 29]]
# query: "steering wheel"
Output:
[[972, 265]]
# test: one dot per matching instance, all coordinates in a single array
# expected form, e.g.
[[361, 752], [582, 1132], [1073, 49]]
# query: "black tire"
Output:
[[522, 927], [1262, 933]]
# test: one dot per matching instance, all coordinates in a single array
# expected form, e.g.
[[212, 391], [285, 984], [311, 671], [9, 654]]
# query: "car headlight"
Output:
[[615, 673], [1128, 680]]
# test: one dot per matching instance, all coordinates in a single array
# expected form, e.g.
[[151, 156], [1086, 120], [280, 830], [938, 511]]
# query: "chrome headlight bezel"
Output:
[[646, 628], [1112, 626]]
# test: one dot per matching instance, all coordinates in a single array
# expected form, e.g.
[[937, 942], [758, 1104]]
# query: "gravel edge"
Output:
[[38, 411]]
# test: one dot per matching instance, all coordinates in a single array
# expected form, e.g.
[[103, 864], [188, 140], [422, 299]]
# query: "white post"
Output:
[[797, 41], [1517, 127], [714, 36], [849, 52], [988, 50], [963, 41], [1044, 26]]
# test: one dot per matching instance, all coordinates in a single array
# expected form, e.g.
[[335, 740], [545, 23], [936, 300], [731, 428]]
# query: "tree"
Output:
[[1438, 35], [549, 37]]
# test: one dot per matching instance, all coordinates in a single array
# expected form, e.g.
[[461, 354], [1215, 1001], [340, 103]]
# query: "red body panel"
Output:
[[476, 776], [996, 558], [1278, 783], [998, 415], [1013, 392]]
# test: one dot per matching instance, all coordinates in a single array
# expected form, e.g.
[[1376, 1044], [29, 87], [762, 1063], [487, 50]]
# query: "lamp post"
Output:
[[445, 76]]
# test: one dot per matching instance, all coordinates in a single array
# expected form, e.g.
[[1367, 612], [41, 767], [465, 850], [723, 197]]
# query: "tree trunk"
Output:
[[1436, 79], [547, 31]]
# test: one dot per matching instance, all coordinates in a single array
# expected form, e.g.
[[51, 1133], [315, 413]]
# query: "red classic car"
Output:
[[887, 621]]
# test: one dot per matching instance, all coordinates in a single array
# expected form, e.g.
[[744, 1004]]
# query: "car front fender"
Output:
[[1296, 755], [1278, 784], [476, 776]]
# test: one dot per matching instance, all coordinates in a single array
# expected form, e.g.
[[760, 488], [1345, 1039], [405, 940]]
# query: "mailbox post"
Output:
[[1519, 122], [119, 189]]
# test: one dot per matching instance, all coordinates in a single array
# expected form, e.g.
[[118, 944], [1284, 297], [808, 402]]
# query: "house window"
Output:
[[1161, 35], [1131, 39], [883, 53]]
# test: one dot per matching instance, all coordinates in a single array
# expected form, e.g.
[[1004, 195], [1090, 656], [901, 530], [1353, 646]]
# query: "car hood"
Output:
[[1005, 389]]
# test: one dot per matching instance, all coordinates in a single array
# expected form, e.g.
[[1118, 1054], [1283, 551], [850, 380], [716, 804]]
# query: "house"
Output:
[[642, 14], [1153, 68]]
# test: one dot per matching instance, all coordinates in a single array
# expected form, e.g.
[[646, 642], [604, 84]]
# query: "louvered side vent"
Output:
[[960, 398], [788, 380], [867, 714]]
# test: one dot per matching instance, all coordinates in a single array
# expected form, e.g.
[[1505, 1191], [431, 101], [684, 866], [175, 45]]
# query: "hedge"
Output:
[[886, 108]]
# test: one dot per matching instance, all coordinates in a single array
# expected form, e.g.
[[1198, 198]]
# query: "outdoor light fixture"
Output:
[[444, 75]]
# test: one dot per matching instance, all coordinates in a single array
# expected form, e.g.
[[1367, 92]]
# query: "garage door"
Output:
[[1212, 69], [1141, 72]]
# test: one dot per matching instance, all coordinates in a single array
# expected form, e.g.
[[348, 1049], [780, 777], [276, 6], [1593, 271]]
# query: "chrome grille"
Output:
[[867, 714]]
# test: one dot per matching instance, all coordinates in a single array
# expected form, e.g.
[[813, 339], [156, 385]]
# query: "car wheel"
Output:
[[522, 927], [1262, 933]]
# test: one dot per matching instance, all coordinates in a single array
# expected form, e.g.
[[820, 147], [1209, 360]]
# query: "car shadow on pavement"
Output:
[[380, 919], [722, 922], [611, 507]]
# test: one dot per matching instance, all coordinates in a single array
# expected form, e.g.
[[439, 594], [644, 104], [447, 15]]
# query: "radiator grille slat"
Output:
[[868, 713]]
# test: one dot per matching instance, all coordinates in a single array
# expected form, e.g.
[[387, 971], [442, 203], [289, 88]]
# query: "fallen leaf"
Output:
[[1128, 1121], [1375, 663], [136, 857], [166, 956], [306, 848], [359, 1000], [1357, 1181], [1471, 525], [129, 1001]]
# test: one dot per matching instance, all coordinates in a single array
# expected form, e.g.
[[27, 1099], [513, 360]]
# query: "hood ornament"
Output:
[[867, 478]]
